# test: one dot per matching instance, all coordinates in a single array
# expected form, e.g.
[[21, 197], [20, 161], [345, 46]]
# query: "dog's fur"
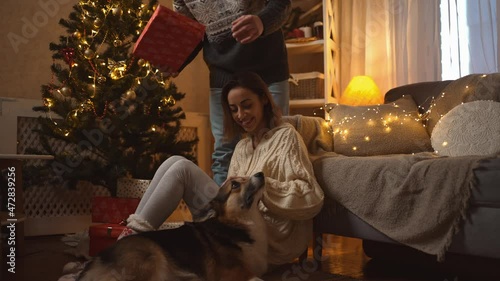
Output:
[[230, 246]]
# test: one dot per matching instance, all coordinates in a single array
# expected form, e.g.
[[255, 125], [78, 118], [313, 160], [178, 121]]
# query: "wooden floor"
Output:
[[343, 259]]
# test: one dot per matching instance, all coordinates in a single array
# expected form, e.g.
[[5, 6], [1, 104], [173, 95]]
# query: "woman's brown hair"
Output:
[[254, 83]]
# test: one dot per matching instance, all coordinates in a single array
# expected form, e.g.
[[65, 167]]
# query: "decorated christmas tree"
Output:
[[115, 115]]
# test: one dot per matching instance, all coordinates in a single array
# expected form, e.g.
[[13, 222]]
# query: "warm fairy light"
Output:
[[387, 129], [445, 143], [367, 138], [354, 148]]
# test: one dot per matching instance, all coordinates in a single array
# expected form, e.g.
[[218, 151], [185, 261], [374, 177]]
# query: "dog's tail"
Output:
[[132, 258]]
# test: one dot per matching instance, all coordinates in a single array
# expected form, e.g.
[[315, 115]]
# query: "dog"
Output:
[[229, 246]]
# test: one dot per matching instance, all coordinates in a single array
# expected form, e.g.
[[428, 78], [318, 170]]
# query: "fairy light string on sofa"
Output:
[[341, 127]]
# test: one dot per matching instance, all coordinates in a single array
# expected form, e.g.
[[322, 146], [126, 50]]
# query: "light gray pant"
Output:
[[177, 178]]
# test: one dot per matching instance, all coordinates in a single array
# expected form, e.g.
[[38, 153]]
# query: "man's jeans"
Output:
[[223, 150]]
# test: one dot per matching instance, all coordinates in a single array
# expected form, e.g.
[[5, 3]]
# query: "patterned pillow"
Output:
[[391, 128], [466, 89], [471, 128]]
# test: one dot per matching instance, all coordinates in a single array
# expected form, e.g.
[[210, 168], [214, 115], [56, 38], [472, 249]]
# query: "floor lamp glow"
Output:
[[362, 90]]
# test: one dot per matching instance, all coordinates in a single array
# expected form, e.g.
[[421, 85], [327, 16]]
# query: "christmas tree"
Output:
[[114, 114]]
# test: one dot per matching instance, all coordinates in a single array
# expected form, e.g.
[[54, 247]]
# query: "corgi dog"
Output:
[[231, 245]]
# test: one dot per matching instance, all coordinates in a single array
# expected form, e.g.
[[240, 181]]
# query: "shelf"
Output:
[[307, 103], [315, 46]]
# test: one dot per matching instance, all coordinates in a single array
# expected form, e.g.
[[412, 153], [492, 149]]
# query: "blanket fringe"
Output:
[[460, 220]]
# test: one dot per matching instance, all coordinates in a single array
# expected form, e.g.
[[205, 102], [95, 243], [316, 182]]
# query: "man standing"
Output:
[[241, 35]]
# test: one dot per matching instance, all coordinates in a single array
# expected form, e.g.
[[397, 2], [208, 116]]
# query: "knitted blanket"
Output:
[[418, 200]]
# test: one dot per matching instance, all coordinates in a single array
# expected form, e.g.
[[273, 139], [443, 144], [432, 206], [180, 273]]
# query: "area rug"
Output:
[[292, 272], [309, 272], [315, 276]]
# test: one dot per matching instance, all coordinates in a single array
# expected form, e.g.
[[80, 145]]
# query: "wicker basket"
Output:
[[308, 85]]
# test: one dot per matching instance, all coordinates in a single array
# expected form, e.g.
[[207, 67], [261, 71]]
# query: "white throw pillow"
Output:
[[471, 128]]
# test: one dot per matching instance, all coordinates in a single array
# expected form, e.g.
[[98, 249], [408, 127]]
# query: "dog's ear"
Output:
[[217, 204]]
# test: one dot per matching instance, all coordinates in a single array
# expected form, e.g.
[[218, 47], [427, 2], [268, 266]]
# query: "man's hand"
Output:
[[247, 28], [228, 180], [167, 71]]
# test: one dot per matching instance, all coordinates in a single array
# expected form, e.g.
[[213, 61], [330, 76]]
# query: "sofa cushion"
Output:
[[471, 128], [391, 128], [466, 89]]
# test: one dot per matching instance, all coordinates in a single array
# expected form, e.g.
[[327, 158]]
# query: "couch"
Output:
[[450, 168]]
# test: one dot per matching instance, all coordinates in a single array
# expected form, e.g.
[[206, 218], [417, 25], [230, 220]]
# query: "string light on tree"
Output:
[[98, 87]]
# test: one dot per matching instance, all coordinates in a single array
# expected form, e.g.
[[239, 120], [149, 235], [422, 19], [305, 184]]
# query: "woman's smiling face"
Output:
[[247, 109]]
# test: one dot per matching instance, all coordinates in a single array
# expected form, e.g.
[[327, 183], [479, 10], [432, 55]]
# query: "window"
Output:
[[469, 38]]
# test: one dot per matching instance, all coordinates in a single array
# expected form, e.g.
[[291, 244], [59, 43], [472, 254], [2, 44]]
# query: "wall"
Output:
[[27, 28]]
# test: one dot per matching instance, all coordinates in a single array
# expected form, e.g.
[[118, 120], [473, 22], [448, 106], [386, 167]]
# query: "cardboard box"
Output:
[[169, 39]]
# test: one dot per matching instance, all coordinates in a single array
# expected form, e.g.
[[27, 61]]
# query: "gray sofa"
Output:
[[478, 234]]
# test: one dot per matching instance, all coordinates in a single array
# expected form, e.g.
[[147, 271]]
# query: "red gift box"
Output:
[[169, 39], [111, 211], [102, 236]]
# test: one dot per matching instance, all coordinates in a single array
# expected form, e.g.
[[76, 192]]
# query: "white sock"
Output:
[[136, 223]]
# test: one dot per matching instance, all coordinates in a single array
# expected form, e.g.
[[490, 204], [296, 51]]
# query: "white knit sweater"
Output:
[[292, 196]]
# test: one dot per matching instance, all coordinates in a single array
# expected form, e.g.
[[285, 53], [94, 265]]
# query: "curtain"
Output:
[[396, 42], [469, 37]]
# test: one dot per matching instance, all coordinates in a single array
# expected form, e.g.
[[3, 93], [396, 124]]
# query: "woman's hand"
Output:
[[247, 28]]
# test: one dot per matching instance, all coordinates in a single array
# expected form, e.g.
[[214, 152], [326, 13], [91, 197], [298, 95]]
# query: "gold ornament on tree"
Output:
[[72, 119], [168, 101], [88, 54], [77, 35], [91, 89], [117, 11], [117, 43], [130, 95], [65, 91], [97, 23], [118, 69], [141, 62]]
